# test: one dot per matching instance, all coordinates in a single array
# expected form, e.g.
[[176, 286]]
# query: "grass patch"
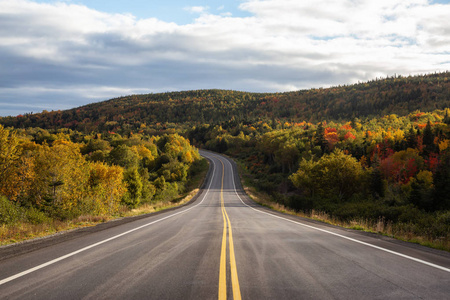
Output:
[[23, 231]]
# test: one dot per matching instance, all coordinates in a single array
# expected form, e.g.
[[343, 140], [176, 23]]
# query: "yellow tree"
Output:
[[178, 147], [106, 188], [61, 174], [15, 168]]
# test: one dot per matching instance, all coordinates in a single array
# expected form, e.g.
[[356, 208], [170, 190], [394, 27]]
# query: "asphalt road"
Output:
[[223, 245]]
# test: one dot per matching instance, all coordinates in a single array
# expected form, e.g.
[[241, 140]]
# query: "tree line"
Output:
[[155, 113], [391, 167], [64, 174]]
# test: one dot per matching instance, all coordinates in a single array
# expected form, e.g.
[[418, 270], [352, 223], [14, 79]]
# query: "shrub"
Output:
[[335, 174], [9, 211], [34, 216]]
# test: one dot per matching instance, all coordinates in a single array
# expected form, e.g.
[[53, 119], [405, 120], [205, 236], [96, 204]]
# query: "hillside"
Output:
[[374, 154], [395, 95]]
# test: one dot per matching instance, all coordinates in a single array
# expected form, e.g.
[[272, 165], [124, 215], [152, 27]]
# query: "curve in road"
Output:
[[198, 251]]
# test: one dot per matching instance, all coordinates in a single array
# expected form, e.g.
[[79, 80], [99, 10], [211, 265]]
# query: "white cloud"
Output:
[[196, 9], [284, 45]]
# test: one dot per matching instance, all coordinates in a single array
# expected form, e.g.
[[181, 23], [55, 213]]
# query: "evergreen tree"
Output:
[[428, 139], [441, 195], [428, 136], [320, 138], [447, 118], [376, 183], [134, 185], [411, 138]]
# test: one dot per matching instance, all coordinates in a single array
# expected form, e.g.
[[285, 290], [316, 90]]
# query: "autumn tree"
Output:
[[62, 175], [106, 189], [16, 167], [334, 175]]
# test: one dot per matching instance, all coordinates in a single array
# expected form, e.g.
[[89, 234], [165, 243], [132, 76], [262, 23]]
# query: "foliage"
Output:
[[359, 169], [334, 175], [371, 150], [153, 114], [106, 189], [71, 174], [15, 166], [9, 211]]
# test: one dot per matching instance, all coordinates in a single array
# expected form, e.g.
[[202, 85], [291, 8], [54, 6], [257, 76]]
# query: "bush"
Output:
[[335, 174], [9, 212], [35, 216], [168, 193]]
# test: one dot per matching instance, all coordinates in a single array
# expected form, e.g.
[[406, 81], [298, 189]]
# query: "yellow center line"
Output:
[[223, 254], [223, 262], [234, 275]]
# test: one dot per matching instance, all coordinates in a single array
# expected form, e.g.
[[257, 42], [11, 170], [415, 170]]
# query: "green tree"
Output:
[[441, 194], [411, 138], [421, 188], [95, 145], [123, 156], [320, 138], [377, 185], [334, 175], [134, 188]]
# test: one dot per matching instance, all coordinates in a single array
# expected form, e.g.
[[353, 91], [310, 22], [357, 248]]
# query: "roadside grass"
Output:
[[22, 231], [398, 231], [158, 206]]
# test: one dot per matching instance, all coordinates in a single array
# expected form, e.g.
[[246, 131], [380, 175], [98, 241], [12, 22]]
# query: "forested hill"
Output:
[[394, 95]]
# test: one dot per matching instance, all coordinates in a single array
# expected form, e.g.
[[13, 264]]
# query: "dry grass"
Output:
[[380, 226], [19, 232], [158, 206]]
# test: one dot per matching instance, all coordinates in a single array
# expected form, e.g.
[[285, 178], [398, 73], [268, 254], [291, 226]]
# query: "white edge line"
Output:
[[21, 274], [339, 235]]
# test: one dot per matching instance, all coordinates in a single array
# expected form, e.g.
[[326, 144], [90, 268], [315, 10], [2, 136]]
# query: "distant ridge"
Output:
[[393, 95]]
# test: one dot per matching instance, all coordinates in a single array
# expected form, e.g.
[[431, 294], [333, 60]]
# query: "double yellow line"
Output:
[[223, 254]]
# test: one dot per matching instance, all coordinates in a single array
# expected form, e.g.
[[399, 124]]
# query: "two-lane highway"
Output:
[[223, 245]]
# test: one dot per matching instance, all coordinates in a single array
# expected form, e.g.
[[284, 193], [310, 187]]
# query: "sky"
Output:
[[63, 54]]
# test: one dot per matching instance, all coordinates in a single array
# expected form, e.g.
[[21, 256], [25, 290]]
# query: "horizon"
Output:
[[240, 91]]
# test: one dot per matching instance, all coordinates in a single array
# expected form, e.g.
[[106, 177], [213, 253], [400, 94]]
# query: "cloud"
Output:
[[196, 9], [56, 56]]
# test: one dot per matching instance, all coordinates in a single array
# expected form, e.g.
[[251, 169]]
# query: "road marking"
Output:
[[337, 234], [223, 260], [21, 274], [233, 268]]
